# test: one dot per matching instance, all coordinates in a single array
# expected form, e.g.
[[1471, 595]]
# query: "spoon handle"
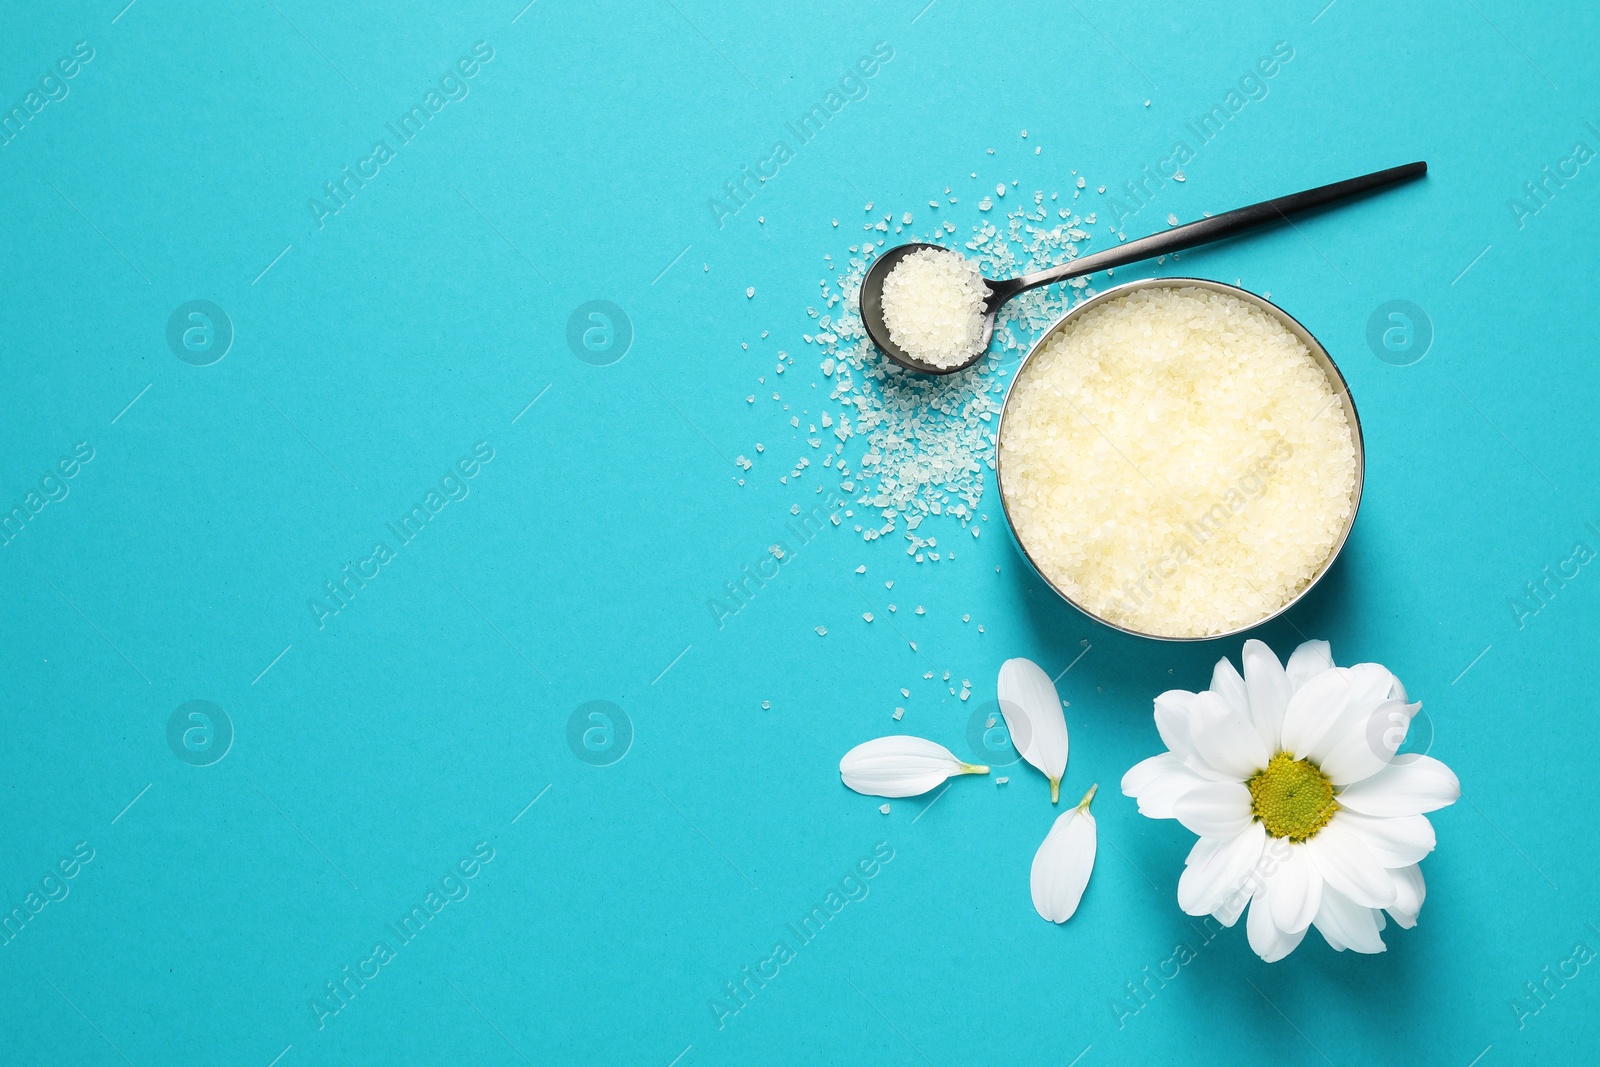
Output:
[[1216, 228]]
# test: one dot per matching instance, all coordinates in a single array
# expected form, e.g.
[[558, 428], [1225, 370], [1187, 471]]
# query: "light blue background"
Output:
[[424, 718]]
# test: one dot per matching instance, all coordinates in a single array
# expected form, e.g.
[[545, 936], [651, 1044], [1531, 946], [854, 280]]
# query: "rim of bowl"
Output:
[[1319, 354]]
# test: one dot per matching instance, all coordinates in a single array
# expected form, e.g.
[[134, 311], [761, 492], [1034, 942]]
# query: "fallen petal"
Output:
[[1032, 709], [1062, 866], [901, 766]]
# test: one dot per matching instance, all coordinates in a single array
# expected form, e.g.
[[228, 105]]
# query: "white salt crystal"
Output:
[[866, 616], [884, 808], [822, 631], [750, 292]]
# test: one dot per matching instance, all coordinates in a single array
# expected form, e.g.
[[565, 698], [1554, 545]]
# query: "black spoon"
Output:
[[1203, 231]]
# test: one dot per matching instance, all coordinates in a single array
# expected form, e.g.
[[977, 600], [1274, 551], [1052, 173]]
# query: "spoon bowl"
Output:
[[878, 329]]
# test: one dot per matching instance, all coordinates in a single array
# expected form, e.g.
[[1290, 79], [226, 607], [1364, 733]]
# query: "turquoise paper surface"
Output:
[[375, 382]]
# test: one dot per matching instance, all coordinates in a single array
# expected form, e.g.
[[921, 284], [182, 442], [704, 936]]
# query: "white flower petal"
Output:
[[1266, 939], [1227, 684], [1174, 712], [1348, 866], [1214, 809], [1367, 742], [1409, 894], [1202, 850], [1312, 708], [1394, 842], [1411, 785], [1294, 888], [1308, 661], [1062, 866], [1334, 707], [1158, 782], [1032, 708], [1398, 692], [1227, 913], [1268, 687], [1346, 924], [1225, 739], [900, 766], [1208, 882]]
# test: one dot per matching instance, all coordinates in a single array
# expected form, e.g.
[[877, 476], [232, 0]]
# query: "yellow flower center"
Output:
[[1292, 798]]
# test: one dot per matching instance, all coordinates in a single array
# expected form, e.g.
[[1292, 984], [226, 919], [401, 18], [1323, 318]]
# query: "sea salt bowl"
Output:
[[1340, 397]]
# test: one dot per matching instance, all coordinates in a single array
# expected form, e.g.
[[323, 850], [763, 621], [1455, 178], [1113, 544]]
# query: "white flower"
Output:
[[1303, 809], [1064, 861], [1032, 709], [901, 766]]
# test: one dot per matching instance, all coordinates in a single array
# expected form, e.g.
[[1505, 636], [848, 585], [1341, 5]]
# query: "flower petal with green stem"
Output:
[[901, 766], [1062, 866], [1032, 709]]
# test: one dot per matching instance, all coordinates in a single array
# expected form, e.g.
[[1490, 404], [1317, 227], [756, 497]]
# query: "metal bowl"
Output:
[[1336, 380]]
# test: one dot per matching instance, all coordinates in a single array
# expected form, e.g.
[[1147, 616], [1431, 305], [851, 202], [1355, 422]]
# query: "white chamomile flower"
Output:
[[901, 766], [1062, 866], [1032, 709], [1305, 813]]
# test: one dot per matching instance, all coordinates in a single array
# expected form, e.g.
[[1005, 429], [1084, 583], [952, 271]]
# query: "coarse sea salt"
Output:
[[924, 442], [1176, 462], [933, 306]]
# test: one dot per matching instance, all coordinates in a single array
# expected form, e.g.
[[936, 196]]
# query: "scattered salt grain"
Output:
[[884, 808], [750, 292], [899, 713], [822, 631], [866, 616], [1002, 780]]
